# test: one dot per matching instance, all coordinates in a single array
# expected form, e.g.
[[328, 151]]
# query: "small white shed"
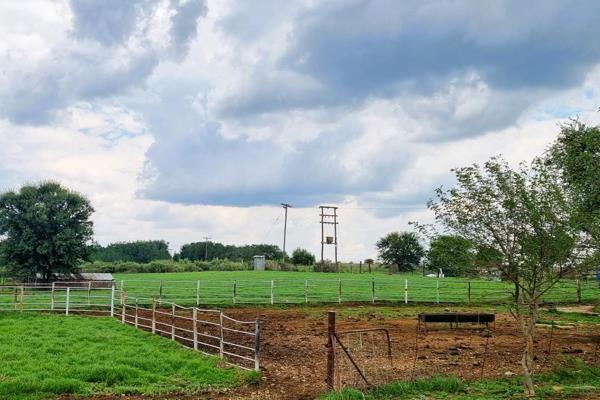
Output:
[[259, 263]]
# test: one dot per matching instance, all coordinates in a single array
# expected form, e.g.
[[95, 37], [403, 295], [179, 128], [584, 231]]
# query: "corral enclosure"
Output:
[[271, 287]]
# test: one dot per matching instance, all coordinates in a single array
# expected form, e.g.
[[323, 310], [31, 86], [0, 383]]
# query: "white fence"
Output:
[[59, 299], [380, 289], [208, 331]]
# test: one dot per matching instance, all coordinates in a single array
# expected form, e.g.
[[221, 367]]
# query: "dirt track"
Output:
[[294, 354]]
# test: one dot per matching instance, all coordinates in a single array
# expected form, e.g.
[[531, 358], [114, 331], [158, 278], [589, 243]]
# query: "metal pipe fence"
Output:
[[298, 291], [208, 331]]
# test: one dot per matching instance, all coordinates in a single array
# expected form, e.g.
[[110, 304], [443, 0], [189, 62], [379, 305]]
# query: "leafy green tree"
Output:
[[487, 260], [47, 229], [214, 250], [141, 251], [451, 253], [576, 153], [302, 257], [526, 216], [400, 249]]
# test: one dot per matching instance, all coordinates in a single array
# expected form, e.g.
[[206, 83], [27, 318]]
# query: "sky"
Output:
[[181, 119]]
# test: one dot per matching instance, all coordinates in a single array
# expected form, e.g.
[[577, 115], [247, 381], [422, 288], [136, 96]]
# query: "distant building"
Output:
[[82, 279], [259, 263]]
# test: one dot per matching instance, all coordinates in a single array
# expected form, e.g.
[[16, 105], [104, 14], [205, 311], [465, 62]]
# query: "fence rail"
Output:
[[208, 331], [298, 291]]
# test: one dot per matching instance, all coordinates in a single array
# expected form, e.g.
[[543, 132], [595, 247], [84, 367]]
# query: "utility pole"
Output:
[[285, 207], [206, 239], [329, 212]]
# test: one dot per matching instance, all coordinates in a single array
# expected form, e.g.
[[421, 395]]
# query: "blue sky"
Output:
[[181, 119]]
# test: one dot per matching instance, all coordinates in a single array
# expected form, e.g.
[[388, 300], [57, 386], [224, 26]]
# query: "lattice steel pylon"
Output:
[[329, 217]]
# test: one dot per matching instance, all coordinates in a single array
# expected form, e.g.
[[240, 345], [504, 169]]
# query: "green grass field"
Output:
[[46, 355], [573, 380], [222, 287]]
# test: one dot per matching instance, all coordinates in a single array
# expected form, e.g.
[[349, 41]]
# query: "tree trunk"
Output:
[[527, 363]]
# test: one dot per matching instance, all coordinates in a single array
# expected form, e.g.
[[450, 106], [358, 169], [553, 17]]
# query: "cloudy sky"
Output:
[[180, 119]]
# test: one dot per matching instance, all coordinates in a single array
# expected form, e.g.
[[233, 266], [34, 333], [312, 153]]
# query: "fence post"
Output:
[[257, 346], [373, 290], [160, 290], [198, 293], [469, 292], [437, 291], [221, 335], [578, 283], [406, 291], [89, 293], [112, 300], [122, 285], [153, 315], [339, 291], [123, 306], [67, 301], [195, 327], [272, 291], [360, 267], [22, 297], [172, 321], [330, 349], [234, 290], [52, 296], [306, 291], [136, 312]]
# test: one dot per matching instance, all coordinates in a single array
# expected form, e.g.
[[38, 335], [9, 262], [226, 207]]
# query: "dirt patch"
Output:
[[293, 357]]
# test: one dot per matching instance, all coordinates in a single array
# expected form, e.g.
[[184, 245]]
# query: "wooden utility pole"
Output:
[[329, 212], [285, 207], [206, 239]]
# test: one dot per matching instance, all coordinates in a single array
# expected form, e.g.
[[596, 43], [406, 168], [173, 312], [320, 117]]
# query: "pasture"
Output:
[[44, 356], [278, 287]]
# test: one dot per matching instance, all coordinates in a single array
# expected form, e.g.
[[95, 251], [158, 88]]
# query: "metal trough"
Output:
[[455, 319]]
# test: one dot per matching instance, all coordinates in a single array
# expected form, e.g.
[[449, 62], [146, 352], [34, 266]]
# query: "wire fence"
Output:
[[298, 291], [208, 331]]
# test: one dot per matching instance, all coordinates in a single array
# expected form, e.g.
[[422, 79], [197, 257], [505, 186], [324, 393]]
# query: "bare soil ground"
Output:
[[293, 355]]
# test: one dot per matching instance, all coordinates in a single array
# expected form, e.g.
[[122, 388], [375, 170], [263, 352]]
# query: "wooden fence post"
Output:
[[153, 315], [198, 293], [52, 296], [136, 313], [340, 291], [578, 289], [257, 346], [112, 301], [89, 296], [373, 290], [160, 290], [195, 327], [360, 267], [221, 335], [469, 292], [272, 291], [172, 321], [330, 349], [122, 285], [234, 290], [437, 291], [67, 301], [22, 296], [406, 291]]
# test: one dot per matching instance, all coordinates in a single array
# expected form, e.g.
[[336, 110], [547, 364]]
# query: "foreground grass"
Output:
[[43, 356], [573, 379]]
